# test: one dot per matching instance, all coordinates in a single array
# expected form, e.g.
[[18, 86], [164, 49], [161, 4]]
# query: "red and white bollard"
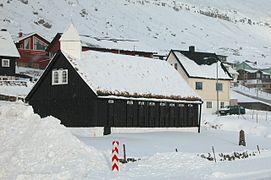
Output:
[[115, 153]]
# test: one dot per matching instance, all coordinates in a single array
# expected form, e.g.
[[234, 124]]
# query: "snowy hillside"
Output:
[[236, 28]]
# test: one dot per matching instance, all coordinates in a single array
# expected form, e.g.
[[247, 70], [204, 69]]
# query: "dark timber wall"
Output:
[[7, 71], [126, 113]]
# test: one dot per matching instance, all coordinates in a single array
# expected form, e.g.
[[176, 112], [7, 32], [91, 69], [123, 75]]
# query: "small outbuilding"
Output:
[[98, 89], [8, 56]]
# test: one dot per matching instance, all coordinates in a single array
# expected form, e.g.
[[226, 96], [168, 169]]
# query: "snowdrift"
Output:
[[35, 148]]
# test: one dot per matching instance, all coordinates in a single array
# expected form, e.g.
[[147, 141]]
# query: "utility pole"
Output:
[[217, 92]]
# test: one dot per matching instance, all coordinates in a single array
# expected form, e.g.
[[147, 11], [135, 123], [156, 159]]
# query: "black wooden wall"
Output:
[[7, 71], [71, 103], [119, 113]]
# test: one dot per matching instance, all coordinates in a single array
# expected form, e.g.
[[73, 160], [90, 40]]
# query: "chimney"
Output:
[[191, 48], [20, 34], [70, 42]]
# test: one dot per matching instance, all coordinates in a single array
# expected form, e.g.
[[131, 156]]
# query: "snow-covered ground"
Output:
[[16, 88], [34, 148], [253, 92]]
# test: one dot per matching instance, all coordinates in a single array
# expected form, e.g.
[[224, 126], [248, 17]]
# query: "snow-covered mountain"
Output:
[[236, 28]]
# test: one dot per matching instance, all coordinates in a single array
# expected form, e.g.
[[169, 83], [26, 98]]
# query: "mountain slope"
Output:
[[238, 29]]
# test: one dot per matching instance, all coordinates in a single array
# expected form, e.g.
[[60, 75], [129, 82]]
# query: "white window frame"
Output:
[[41, 42], [141, 103], [222, 104], [59, 80], [198, 83], [5, 62], [25, 41], [130, 102], [209, 104]]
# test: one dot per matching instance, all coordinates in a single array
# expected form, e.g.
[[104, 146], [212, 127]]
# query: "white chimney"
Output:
[[70, 42]]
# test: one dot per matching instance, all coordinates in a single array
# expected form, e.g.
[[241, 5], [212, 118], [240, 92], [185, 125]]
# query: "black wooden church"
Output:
[[96, 89]]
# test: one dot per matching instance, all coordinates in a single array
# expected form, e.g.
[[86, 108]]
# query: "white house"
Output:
[[205, 74]]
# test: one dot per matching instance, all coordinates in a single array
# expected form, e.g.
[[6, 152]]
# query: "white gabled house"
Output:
[[206, 75]]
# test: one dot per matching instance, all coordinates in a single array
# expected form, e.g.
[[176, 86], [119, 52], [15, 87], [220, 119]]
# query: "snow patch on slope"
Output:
[[237, 29]]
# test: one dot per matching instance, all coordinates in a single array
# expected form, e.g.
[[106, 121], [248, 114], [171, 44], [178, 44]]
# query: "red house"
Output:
[[54, 47], [32, 50]]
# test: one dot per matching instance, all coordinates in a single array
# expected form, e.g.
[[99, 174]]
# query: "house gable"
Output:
[[195, 68], [48, 99], [33, 42], [174, 61]]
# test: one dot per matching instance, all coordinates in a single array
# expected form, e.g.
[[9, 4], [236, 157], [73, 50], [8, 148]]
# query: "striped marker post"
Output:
[[115, 159]]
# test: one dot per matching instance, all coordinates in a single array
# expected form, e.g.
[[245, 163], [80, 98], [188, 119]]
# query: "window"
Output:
[[110, 101], [55, 77], [162, 104], [64, 77], [176, 66], [208, 104], [60, 77], [27, 43], [219, 86], [171, 105], [199, 86], [39, 45], [258, 75], [222, 104], [130, 102], [181, 105], [5, 63], [141, 103]]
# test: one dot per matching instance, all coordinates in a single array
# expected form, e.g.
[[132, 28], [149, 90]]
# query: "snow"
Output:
[[7, 46], [254, 92], [19, 88], [158, 25], [35, 148], [32, 148], [256, 66], [35, 73], [241, 98], [25, 36], [204, 71], [121, 74]]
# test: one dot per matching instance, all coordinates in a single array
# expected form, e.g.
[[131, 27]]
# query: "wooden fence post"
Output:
[[124, 154], [242, 140], [213, 149]]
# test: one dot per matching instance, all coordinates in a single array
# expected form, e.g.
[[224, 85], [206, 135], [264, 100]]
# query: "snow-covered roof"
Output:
[[256, 65], [18, 39], [7, 46], [131, 76], [70, 34], [250, 70], [230, 69], [202, 71], [115, 43]]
